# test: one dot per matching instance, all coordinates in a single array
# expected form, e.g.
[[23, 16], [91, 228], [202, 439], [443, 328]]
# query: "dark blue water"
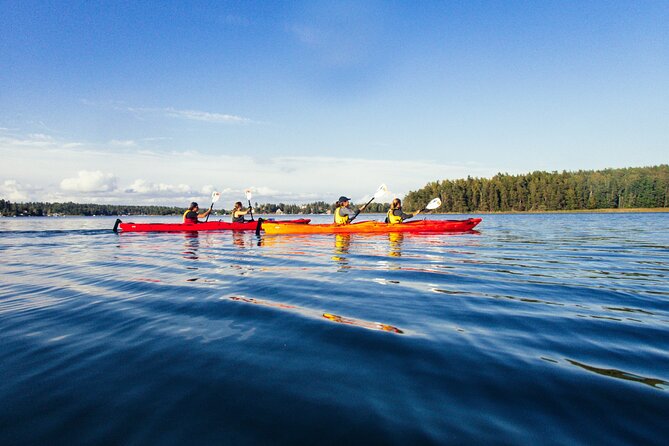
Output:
[[550, 329]]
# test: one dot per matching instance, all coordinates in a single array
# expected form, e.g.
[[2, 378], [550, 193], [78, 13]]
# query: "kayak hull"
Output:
[[373, 227], [204, 226]]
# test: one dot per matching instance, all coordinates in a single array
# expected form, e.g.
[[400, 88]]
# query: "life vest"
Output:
[[192, 218], [239, 219], [392, 218], [340, 219]]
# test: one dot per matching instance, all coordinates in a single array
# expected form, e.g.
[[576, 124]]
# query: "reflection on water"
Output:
[[342, 245], [205, 327], [315, 313], [395, 240], [239, 238], [191, 245], [619, 374], [360, 323]]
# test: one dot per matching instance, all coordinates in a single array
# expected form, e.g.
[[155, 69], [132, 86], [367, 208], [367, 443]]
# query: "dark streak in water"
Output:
[[619, 374]]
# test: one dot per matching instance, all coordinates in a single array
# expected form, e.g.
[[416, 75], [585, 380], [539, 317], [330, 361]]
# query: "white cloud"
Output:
[[146, 187], [264, 190], [193, 115], [196, 115], [33, 140], [90, 181], [13, 191], [207, 189], [123, 143], [175, 178]]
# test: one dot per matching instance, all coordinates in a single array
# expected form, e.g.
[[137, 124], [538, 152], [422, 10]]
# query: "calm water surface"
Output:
[[548, 329]]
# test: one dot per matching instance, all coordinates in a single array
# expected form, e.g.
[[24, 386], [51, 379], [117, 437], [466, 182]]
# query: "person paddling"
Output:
[[343, 214], [396, 214], [238, 213], [191, 215]]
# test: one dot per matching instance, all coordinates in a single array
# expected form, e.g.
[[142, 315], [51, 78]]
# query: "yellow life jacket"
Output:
[[189, 220], [340, 219], [392, 218]]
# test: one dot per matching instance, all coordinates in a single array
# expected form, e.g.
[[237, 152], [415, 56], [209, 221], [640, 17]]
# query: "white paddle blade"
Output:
[[434, 204], [215, 196], [248, 194], [380, 192]]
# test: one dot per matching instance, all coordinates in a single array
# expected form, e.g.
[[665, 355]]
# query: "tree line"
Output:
[[38, 209], [636, 187]]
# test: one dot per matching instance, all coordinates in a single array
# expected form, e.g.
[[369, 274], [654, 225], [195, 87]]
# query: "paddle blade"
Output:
[[434, 204], [380, 192], [215, 196], [248, 194]]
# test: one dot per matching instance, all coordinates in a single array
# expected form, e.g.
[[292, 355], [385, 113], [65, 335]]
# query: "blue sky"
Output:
[[162, 102]]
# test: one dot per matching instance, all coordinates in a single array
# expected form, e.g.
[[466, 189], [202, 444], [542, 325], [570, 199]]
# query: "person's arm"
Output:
[[399, 213], [350, 212], [204, 214]]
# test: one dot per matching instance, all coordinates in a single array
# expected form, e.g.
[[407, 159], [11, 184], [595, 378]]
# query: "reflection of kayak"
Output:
[[360, 323], [204, 226], [373, 226]]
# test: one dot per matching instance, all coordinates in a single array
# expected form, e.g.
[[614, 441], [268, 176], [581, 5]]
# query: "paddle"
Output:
[[248, 197], [378, 194], [215, 196], [433, 204]]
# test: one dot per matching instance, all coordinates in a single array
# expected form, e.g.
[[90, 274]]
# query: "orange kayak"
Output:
[[373, 227]]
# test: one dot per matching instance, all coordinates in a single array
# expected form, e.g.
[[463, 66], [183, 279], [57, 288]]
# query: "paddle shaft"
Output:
[[251, 210], [353, 218], [210, 208]]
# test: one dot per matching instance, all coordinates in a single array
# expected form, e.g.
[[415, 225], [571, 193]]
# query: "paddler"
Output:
[[238, 213], [191, 215], [343, 214], [396, 215]]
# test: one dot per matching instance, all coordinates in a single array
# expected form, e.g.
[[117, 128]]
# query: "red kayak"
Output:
[[204, 226]]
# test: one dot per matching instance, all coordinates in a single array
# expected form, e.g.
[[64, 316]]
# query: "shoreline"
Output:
[[574, 211]]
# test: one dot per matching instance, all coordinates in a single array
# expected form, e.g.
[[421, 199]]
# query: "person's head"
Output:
[[343, 201], [193, 206], [238, 205], [396, 204]]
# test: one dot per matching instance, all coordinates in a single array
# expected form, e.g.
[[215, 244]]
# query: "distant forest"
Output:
[[37, 209], [637, 187]]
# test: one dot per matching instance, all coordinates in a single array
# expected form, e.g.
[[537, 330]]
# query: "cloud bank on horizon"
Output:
[[63, 171], [308, 100]]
